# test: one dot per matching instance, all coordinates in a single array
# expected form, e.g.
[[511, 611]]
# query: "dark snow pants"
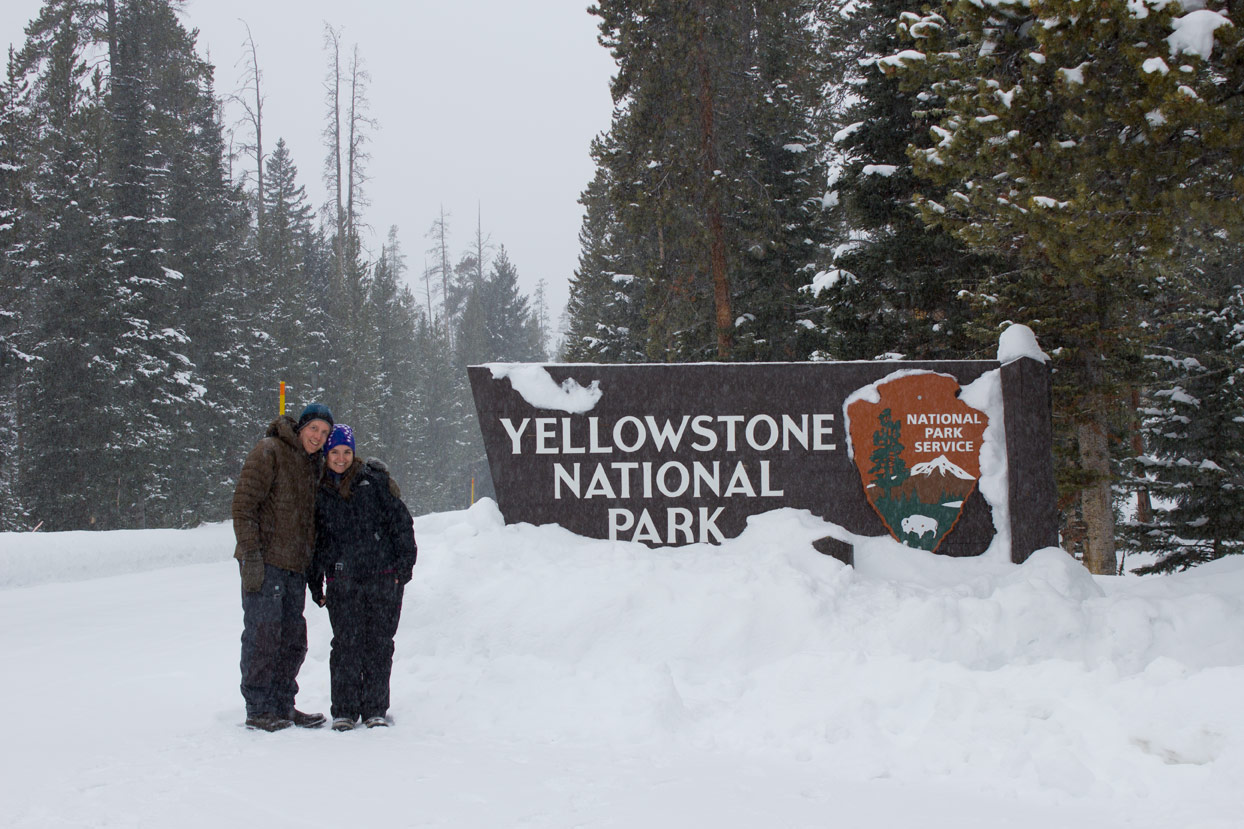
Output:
[[364, 617], [274, 642]]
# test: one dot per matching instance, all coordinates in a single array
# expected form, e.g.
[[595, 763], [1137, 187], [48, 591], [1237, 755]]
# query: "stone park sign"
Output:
[[943, 456]]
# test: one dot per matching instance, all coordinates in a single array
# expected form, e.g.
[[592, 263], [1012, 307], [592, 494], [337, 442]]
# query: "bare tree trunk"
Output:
[[443, 244], [716, 230], [332, 135], [481, 244], [111, 23], [427, 284], [1144, 506], [356, 155], [255, 114], [352, 147], [1095, 500]]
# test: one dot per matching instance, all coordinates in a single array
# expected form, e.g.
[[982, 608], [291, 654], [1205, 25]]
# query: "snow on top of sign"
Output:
[[538, 388], [1019, 341], [872, 394]]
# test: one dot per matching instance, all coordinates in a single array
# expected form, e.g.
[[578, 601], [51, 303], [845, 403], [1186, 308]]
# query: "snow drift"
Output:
[[543, 679]]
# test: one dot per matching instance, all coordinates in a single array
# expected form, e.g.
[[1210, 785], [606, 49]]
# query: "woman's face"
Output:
[[340, 458]]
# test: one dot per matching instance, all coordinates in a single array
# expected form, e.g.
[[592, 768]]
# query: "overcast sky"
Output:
[[480, 104]]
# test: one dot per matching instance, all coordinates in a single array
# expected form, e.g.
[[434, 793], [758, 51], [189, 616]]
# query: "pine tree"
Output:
[[445, 440], [1067, 144], [285, 305], [604, 312], [393, 315], [1195, 463], [897, 287], [69, 414], [14, 277], [714, 173], [131, 241], [350, 337], [542, 332], [888, 466], [440, 272]]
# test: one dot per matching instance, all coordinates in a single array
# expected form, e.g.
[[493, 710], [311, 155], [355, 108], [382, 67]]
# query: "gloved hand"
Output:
[[317, 592], [252, 574]]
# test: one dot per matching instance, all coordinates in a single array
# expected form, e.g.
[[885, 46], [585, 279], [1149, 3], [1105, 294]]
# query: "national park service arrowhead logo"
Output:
[[917, 449]]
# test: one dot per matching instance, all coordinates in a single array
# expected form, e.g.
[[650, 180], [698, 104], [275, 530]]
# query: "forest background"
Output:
[[779, 181]]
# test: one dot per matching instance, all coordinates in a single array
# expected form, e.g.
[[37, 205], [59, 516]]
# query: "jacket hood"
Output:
[[285, 429]]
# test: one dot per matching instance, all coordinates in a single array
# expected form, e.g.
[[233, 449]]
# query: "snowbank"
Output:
[[568, 681], [39, 557]]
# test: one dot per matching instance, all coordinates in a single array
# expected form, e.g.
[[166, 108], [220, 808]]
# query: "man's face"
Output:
[[313, 435], [340, 458]]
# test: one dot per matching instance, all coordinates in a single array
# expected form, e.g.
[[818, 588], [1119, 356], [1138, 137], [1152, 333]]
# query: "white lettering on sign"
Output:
[[672, 479], [515, 434], [573, 440], [701, 433], [943, 446], [680, 525], [942, 418]]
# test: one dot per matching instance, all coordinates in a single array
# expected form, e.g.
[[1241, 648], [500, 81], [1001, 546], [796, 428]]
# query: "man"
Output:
[[274, 523]]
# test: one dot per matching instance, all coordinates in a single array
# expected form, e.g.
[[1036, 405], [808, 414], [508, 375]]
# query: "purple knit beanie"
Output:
[[342, 436]]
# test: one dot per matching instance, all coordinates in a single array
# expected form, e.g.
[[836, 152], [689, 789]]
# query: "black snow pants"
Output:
[[364, 616], [274, 642]]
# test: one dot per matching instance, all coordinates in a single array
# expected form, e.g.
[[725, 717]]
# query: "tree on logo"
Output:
[[888, 467]]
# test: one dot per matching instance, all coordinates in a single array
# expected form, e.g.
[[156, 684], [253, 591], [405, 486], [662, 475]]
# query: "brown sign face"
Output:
[[682, 454], [917, 448]]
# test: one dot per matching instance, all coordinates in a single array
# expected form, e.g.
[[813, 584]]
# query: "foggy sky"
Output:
[[485, 105]]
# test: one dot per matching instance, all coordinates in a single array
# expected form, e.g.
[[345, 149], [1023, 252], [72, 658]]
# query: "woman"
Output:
[[365, 548]]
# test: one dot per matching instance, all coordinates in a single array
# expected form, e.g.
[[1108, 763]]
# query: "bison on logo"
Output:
[[917, 448]]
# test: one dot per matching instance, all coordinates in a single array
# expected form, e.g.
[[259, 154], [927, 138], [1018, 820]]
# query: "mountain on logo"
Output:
[[943, 466], [936, 482]]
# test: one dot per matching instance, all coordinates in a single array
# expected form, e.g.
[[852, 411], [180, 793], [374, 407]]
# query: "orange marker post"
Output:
[[282, 411]]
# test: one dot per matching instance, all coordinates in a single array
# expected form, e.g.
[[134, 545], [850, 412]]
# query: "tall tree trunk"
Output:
[[444, 240], [333, 134], [255, 115], [1144, 506], [1095, 500], [111, 10], [352, 159], [716, 230]]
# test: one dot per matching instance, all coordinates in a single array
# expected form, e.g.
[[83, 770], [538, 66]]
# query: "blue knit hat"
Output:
[[314, 411], [342, 436]]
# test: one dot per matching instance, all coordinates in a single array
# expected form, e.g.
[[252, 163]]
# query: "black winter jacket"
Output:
[[363, 531]]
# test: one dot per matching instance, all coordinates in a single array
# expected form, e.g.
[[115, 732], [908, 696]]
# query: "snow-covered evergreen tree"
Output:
[[1194, 429], [1079, 146]]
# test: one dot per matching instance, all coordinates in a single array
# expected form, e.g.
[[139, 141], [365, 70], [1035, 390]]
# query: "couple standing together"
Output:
[[306, 511]]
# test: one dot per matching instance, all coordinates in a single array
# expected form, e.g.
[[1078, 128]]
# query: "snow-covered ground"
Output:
[[545, 680]]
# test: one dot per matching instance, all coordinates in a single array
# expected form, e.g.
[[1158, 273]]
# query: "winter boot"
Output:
[[308, 720], [267, 722], [343, 724], [376, 722]]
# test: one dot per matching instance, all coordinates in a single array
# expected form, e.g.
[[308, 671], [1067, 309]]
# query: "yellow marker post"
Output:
[[282, 411], [472, 490]]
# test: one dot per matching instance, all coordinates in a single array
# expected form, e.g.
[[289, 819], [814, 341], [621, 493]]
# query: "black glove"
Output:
[[252, 574], [317, 591]]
